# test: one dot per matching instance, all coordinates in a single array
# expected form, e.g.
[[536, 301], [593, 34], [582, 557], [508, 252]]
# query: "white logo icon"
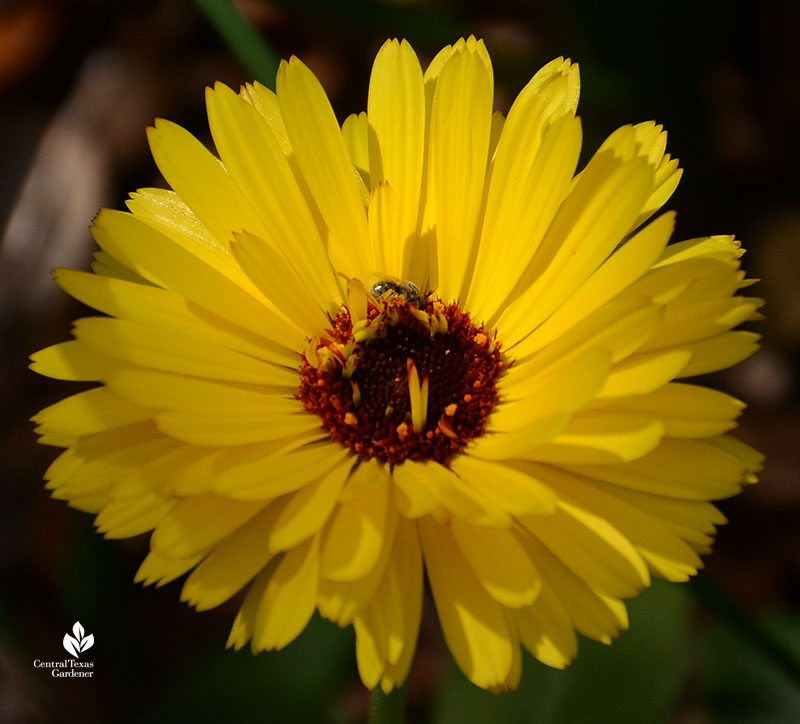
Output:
[[77, 643]]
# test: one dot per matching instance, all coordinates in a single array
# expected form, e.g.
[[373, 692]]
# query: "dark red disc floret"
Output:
[[364, 403]]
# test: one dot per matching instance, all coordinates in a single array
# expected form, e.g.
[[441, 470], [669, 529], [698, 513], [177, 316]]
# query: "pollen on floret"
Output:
[[419, 383]]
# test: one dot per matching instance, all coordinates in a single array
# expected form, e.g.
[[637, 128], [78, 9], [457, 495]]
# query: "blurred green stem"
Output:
[[762, 637], [243, 39], [387, 708]]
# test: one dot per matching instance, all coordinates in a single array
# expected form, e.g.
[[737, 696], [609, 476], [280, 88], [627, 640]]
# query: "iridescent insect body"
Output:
[[389, 288]]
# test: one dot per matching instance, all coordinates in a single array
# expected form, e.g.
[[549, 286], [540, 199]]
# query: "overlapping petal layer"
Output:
[[597, 465]]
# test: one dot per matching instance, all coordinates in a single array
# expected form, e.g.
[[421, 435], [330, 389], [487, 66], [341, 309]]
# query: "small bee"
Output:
[[391, 287]]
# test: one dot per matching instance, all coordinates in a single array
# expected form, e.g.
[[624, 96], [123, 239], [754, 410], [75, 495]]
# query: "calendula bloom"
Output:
[[338, 356]]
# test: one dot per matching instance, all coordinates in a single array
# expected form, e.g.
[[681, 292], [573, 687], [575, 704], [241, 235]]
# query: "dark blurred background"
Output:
[[79, 82]]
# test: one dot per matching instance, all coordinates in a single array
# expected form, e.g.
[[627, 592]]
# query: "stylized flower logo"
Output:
[[77, 643]]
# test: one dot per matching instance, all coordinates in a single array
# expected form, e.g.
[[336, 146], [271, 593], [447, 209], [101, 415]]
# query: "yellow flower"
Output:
[[337, 356]]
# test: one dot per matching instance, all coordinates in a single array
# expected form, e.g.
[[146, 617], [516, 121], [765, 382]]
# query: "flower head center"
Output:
[[411, 381]]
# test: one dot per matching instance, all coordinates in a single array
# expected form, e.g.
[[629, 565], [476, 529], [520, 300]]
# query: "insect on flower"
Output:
[[391, 287]]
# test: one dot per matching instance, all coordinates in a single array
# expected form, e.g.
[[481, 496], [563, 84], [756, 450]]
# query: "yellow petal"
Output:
[[106, 265], [386, 228], [533, 163], [195, 476], [601, 438], [686, 469], [163, 474], [278, 472], [342, 601], [504, 445], [72, 361], [621, 326], [289, 598], [685, 410], [355, 130], [165, 210], [460, 126], [197, 523], [592, 549], [590, 223], [695, 522], [665, 553], [509, 489], [89, 412], [423, 486], [322, 156], [92, 447], [420, 487], [174, 392], [653, 142], [520, 232], [244, 623], [167, 310], [420, 257], [717, 353], [159, 569], [665, 283], [134, 516], [471, 504], [169, 350], [593, 614], [256, 162], [498, 121], [561, 388], [306, 305], [169, 265], [499, 562], [644, 372], [687, 322], [370, 632], [622, 268], [107, 468], [63, 468], [396, 112], [404, 584], [355, 537], [201, 181], [232, 564], [386, 630], [477, 628], [266, 103], [668, 175], [751, 458], [308, 509], [366, 475], [721, 247], [232, 429], [546, 631]]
